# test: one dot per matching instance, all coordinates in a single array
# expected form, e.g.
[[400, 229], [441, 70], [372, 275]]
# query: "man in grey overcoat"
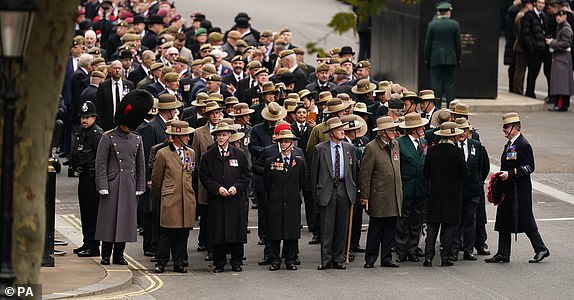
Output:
[[120, 177]]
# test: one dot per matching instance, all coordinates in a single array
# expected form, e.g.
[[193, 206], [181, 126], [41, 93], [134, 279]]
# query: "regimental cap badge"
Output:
[[84, 107]]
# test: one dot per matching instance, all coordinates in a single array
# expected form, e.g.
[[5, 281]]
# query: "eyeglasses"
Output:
[[173, 54]]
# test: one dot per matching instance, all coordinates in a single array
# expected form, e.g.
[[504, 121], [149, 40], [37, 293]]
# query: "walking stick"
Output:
[[349, 235]]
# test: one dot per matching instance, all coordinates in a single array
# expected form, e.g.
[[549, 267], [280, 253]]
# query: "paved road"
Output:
[[466, 280]]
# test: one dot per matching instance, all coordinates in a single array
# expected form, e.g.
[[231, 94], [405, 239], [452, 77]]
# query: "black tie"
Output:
[[337, 166], [285, 163], [418, 146], [302, 128], [117, 95]]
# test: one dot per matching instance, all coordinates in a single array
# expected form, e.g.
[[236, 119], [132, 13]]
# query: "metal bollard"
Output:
[[48, 256]]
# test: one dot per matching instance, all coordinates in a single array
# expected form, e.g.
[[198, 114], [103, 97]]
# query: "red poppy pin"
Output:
[[127, 109]]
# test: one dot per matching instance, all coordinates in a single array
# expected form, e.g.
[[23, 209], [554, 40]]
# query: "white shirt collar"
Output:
[[514, 139]]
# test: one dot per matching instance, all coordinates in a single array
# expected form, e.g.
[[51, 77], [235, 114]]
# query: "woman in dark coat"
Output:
[[284, 176], [561, 80], [225, 174], [514, 213], [445, 167]]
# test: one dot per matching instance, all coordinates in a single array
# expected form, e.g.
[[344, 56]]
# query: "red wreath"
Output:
[[495, 189], [127, 109]]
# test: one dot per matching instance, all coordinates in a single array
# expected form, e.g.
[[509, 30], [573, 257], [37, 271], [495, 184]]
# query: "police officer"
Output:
[[84, 158]]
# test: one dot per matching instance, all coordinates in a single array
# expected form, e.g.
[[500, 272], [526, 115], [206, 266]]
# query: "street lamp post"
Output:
[[15, 23]]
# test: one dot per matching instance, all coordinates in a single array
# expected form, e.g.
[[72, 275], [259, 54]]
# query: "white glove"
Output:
[[138, 193], [104, 192]]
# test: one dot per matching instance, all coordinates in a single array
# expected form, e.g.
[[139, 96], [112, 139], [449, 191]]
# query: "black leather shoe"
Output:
[[315, 240], [185, 263], [264, 262], [446, 263], [120, 261], [323, 267], [159, 269], [273, 267], [401, 258], [105, 261], [153, 259], [427, 263], [149, 253], [413, 258], [469, 256], [351, 257], [358, 250], [389, 264], [292, 267], [482, 251], [297, 262], [201, 248], [79, 249], [217, 270], [453, 257], [209, 257], [340, 266], [540, 256], [89, 253], [179, 269], [497, 258], [236, 269], [368, 265]]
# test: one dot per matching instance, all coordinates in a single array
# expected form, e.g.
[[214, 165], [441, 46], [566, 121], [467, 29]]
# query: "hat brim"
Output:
[[422, 123], [186, 131], [341, 125], [290, 137], [197, 104], [172, 105], [213, 109], [265, 114], [309, 94], [362, 112], [88, 115], [248, 112], [371, 88], [456, 132], [230, 130], [236, 137], [344, 105], [395, 125], [460, 113], [511, 121], [361, 130]]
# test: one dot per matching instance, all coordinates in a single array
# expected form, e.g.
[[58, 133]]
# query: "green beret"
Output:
[[213, 77], [182, 59], [322, 67], [98, 74], [237, 58], [286, 53], [340, 71], [171, 77], [156, 66], [200, 31], [364, 64], [215, 37]]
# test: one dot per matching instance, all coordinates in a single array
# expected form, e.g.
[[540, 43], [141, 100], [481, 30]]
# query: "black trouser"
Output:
[[89, 200], [511, 71], [380, 235], [334, 225], [148, 230], [446, 237], [261, 214], [357, 224], [290, 249], [408, 228], [443, 82], [154, 229], [364, 45], [481, 236], [504, 240], [535, 60], [465, 234], [118, 248], [174, 240], [219, 257], [202, 237], [310, 210]]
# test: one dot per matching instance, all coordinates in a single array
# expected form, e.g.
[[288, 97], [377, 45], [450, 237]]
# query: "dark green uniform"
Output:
[[443, 55]]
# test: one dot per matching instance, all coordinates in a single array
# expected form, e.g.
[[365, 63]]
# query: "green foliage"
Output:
[[343, 22]]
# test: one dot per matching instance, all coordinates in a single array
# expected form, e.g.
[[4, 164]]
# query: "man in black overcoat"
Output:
[[514, 213], [224, 172]]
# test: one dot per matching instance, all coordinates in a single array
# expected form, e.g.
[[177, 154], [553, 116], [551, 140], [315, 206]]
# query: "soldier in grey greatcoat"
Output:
[[120, 177]]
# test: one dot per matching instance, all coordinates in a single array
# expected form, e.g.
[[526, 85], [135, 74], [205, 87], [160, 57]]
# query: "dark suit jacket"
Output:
[[303, 137], [472, 183], [412, 167], [89, 94], [137, 75], [300, 79], [249, 95], [230, 79], [322, 172], [155, 88], [79, 84], [67, 88], [443, 43], [150, 40], [272, 151], [185, 90], [314, 87], [261, 137], [105, 103]]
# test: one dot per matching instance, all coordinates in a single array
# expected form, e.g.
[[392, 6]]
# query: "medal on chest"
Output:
[[233, 163], [395, 154], [277, 166], [511, 153]]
